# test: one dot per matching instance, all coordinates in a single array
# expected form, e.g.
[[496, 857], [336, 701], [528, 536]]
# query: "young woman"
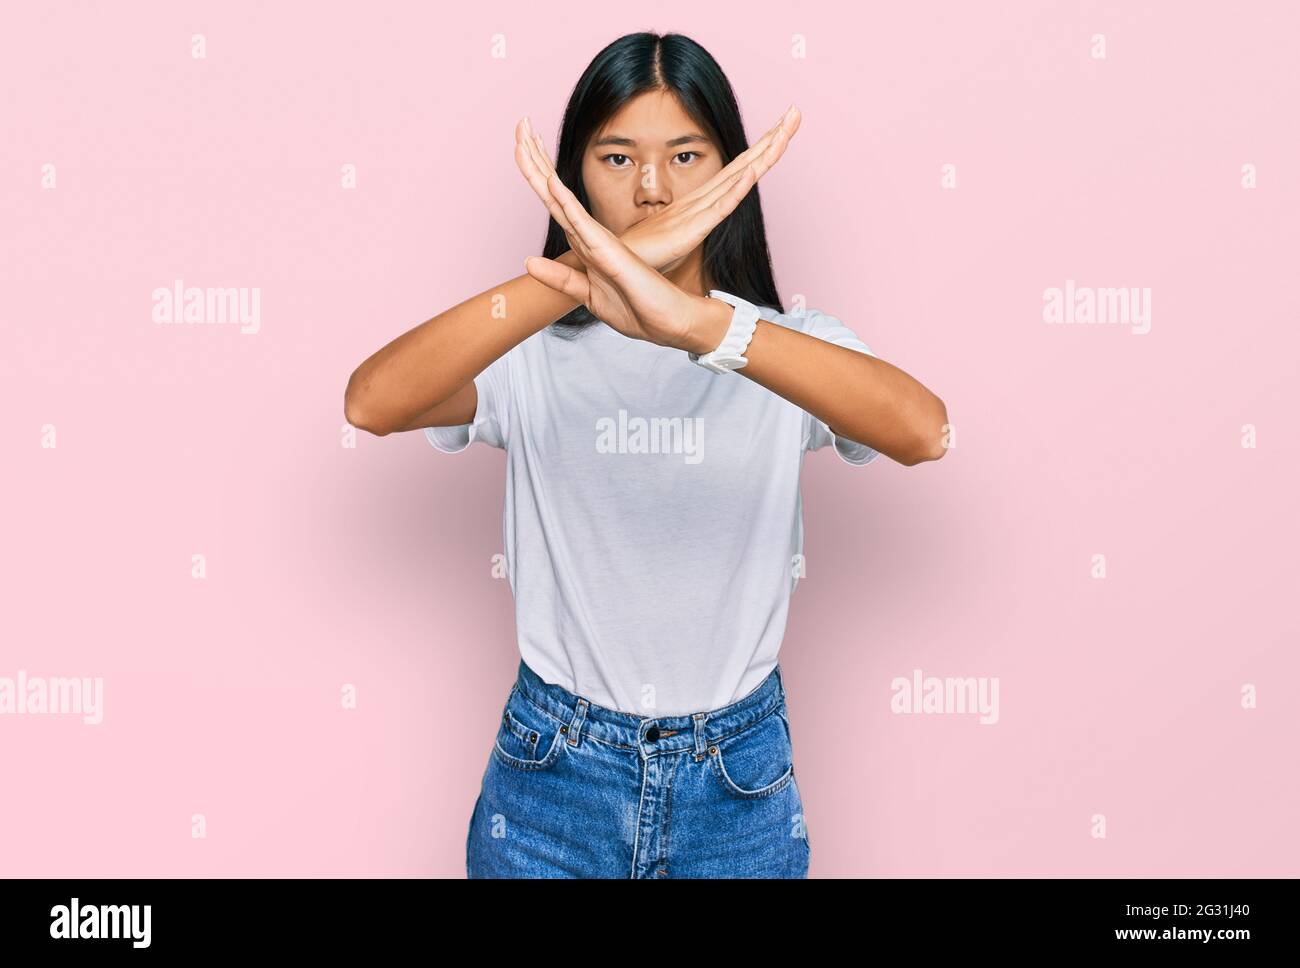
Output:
[[655, 402]]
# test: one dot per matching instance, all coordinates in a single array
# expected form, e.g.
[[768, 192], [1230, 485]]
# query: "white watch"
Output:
[[730, 354]]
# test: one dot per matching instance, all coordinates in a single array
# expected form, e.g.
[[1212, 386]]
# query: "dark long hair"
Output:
[[735, 253]]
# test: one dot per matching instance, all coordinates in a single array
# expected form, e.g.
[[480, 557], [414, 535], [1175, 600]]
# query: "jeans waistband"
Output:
[[656, 733]]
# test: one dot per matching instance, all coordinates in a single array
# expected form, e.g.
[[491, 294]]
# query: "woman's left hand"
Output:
[[618, 287]]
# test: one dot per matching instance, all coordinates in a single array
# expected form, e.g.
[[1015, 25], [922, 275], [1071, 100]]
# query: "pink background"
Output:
[[372, 565]]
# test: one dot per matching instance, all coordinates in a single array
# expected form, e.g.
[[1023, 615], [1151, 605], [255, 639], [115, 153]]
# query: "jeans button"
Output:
[[652, 734]]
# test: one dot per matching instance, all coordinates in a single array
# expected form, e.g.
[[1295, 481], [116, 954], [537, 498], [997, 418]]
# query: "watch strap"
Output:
[[729, 354]]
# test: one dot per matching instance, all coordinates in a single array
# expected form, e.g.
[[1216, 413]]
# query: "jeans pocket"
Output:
[[801, 828], [529, 738], [756, 762]]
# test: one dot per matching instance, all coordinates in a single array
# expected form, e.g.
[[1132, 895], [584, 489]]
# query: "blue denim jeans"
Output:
[[573, 789]]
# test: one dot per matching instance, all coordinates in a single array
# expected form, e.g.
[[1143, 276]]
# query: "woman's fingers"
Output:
[[547, 170], [733, 167], [533, 142], [580, 249], [720, 201], [742, 159], [763, 154], [760, 157], [596, 240], [526, 156], [724, 187], [536, 170], [547, 167], [776, 147], [527, 164], [697, 224], [726, 203], [535, 177], [559, 277]]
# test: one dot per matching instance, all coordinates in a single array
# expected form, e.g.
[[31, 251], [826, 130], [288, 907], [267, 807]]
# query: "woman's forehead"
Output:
[[653, 119]]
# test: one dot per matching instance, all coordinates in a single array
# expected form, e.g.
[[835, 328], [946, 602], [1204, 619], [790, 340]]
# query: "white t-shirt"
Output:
[[652, 513]]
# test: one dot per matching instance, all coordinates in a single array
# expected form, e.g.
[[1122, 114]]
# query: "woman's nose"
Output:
[[652, 189]]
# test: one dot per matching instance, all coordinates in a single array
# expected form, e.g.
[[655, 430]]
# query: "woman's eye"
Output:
[[618, 164], [681, 153]]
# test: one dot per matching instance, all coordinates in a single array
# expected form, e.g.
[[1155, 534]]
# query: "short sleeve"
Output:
[[491, 422], [817, 433]]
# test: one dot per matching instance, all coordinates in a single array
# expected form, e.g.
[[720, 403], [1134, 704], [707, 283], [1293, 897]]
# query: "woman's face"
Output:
[[647, 154]]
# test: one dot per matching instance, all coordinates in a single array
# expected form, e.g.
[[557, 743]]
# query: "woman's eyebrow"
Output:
[[628, 142]]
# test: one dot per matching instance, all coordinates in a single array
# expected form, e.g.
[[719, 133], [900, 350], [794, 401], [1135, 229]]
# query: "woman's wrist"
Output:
[[708, 325]]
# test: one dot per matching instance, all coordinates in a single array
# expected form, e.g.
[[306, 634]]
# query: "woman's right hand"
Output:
[[664, 239]]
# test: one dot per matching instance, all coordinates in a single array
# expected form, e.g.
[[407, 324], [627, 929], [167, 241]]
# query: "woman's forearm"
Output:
[[426, 365], [859, 396]]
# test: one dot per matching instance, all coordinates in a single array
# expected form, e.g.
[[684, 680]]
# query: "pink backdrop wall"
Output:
[[1123, 744]]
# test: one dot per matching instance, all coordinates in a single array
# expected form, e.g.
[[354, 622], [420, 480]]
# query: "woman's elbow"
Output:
[[933, 438], [357, 411]]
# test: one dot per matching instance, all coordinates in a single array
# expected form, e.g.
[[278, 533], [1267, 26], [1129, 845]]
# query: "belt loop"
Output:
[[575, 724], [700, 745]]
